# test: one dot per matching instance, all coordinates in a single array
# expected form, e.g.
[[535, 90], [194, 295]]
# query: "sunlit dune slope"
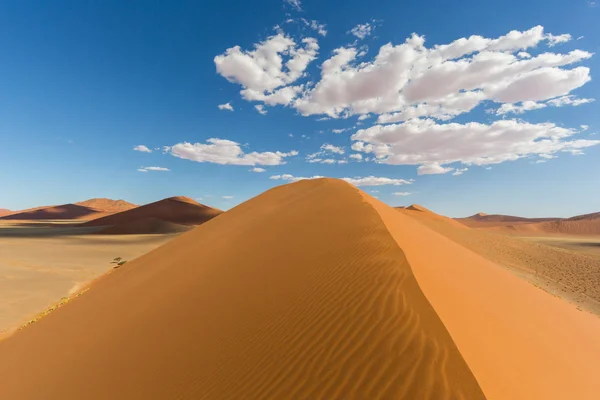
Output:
[[299, 293], [177, 210], [519, 341]]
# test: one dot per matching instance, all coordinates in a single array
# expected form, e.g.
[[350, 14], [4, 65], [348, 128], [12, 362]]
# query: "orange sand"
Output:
[[177, 210], [283, 297], [85, 210], [312, 290]]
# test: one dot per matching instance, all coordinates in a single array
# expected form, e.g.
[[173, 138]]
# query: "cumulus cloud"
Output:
[[146, 169], [226, 106], [356, 156], [142, 149], [460, 171], [261, 109], [356, 181], [361, 31], [410, 80], [263, 73], [296, 4], [321, 29], [257, 169], [332, 149], [227, 152], [433, 169], [431, 145], [532, 105]]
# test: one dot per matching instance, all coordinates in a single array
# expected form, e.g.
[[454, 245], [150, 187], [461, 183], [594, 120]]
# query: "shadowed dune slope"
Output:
[[144, 226], [299, 293], [177, 210], [520, 342], [89, 209]]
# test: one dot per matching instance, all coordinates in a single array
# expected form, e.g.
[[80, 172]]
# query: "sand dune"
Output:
[[482, 220], [312, 290], [282, 297], [177, 210], [90, 209], [144, 226], [520, 342], [580, 225], [4, 211]]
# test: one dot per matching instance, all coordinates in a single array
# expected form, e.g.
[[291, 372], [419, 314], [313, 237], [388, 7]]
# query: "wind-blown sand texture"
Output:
[[283, 297], [312, 290], [177, 210], [86, 210]]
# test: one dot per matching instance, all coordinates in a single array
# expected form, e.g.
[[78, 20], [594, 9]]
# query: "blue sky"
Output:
[[83, 83]]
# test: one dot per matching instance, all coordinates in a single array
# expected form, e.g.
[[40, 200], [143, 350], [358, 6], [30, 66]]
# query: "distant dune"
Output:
[[176, 210], [580, 225], [4, 211], [482, 220], [144, 226], [312, 290], [85, 210]]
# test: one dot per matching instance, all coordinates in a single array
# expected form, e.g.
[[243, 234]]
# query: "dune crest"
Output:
[[284, 296], [176, 210], [85, 210]]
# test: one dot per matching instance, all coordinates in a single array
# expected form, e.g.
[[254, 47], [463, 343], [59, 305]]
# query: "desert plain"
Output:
[[312, 290]]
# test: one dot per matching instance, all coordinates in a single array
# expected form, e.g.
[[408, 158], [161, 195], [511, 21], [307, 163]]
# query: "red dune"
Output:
[[144, 226], [482, 220], [176, 210], [4, 211], [583, 226], [313, 290], [85, 210]]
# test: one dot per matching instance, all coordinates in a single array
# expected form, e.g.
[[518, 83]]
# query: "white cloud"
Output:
[[356, 156], [433, 169], [569, 101], [296, 4], [222, 151], [321, 29], [519, 109], [523, 54], [261, 109], [356, 181], [146, 169], [445, 80], [226, 106], [361, 31], [460, 171], [554, 40], [532, 105], [227, 197], [401, 193], [332, 149], [257, 169], [263, 72], [338, 131], [142, 148], [432, 145]]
